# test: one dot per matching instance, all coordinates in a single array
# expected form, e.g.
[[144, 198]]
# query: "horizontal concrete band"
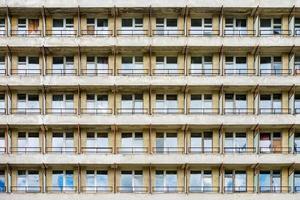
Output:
[[167, 196], [146, 159], [157, 41], [163, 119], [102, 81], [152, 3]]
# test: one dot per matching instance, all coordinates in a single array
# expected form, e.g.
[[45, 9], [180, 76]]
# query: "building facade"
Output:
[[149, 100]]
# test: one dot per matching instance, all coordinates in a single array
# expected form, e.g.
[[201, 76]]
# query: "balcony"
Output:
[[168, 72], [203, 150], [239, 32], [61, 189], [132, 189], [26, 189], [26, 111], [96, 189], [239, 189], [26, 150], [240, 150], [275, 72], [97, 33], [97, 150], [274, 32], [61, 111], [268, 150], [203, 32], [24, 72], [132, 150], [96, 72], [61, 33], [168, 32], [96, 111], [204, 72], [168, 189], [168, 150], [274, 189], [2, 150], [61, 150], [26, 33], [203, 189], [61, 72], [238, 111], [132, 111], [168, 110], [132, 72], [239, 72], [274, 111], [203, 111], [132, 32]]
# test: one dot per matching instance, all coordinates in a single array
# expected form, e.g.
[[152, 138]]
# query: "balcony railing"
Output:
[[97, 150], [2, 150], [96, 32], [266, 150], [96, 111], [2, 71], [26, 150], [240, 72], [274, 111], [202, 111], [296, 111], [132, 72], [169, 72], [274, 189], [204, 150], [296, 189], [168, 111], [26, 71], [238, 32], [61, 32], [26, 111], [168, 189], [96, 189], [26, 189], [62, 72], [168, 32], [203, 32], [275, 72], [132, 150], [58, 189], [271, 32], [238, 189], [168, 150], [132, 189], [132, 111], [239, 111], [2, 32], [26, 33], [2, 111], [2, 189], [204, 72], [61, 111], [132, 32], [61, 150], [239, 149], [203, 189], [96, 72]]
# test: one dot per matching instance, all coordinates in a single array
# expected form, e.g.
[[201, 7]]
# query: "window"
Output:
[[270, 26], [2, 104], [201, 142], [97, 65], [236, 65], [201, 103], [2, 181], [297, 103], [166, 65], [270, 181], [297, 26], [166, 26], [28, 65], [235, 104], [132, 143], [63, 142], [2, 27], [28, 103], [271, 65], [201, 181], [28, 27], [132, 65], [166, 103], [2, 64], [63, 103], [235, 142], [166, 143], [166, 181], [28, 180], [63, 27], [132, 181], [235, 181], [97, 103], [63, 180], [296, 181], [270, 103], [270, 142], [132, 26], [201, 26], [28, 142], [97, 143], [235, 26], [297, 144], [97, 26], [201, 65], [2, 144], [132, 104], [63, 65], [97, 180]]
